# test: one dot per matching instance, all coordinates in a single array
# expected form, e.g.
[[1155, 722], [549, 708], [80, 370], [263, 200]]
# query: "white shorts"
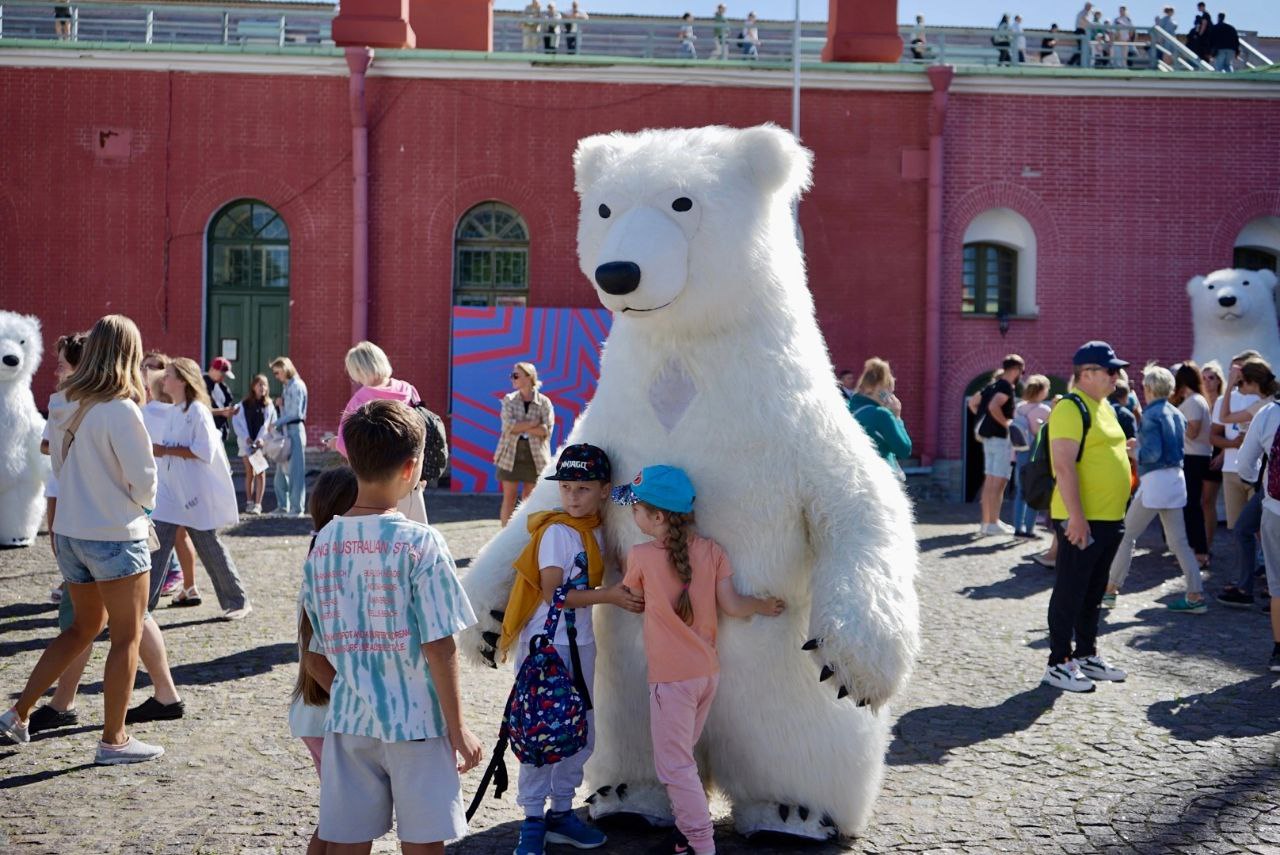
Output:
[[361, 778], [997, 457]]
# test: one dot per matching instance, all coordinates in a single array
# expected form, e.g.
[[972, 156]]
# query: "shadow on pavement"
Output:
[[929, 734], [37, 777], [29, 623], [15, 610], [1027, 580], [234, 666], [1237, 711]]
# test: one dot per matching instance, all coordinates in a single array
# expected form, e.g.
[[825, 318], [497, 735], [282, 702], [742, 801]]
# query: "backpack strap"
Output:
[[1085, 423], [496, 771], [74, 425]]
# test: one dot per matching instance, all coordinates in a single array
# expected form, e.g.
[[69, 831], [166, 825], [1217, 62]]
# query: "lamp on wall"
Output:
[[1002, 318]]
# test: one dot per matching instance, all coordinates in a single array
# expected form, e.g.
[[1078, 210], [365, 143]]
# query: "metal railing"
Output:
[[276, 25]]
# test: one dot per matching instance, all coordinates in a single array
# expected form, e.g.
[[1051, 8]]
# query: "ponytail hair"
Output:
[[679, 531]]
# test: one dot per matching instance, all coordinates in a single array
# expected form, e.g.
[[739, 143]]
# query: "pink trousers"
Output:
[[677, 712]]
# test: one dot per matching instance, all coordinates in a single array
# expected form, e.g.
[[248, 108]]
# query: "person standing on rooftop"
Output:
[[687, 37], [571, 27], [1019, 41], [529, 28], [1226, 44], [722, 34], [551, 29], [1082, 27]]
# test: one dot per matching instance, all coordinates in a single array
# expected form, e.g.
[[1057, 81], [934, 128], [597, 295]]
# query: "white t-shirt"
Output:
[[562, 547], [1196, 410], [1239, 402], [50, 480], [155, 418], [195, 493]]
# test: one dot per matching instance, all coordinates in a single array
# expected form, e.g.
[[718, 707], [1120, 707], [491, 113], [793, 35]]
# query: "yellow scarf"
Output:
[[526, 593]]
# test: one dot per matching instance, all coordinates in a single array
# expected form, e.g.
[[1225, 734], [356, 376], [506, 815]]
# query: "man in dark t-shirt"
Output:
[[994, 408], [223, 405]]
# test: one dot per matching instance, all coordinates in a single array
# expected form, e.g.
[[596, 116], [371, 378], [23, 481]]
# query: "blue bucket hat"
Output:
[[665, 487]]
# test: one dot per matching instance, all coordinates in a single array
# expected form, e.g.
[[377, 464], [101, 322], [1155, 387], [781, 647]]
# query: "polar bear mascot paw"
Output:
[[1234, 311], [22, 466], [715, 364]]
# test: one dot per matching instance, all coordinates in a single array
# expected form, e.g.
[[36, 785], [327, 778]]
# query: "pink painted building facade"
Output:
[[1104, 194]]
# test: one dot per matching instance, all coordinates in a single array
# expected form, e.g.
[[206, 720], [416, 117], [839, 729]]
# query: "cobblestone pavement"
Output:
[[1181, 758]]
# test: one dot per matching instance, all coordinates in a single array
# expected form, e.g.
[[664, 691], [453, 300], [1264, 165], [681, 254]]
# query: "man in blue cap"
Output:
[[1091, 469]]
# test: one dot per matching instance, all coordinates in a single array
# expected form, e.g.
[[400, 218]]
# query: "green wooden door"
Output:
[[250, 330]]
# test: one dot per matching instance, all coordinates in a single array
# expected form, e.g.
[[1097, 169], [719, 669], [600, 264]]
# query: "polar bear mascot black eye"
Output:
[[22, 467], [715, 364]]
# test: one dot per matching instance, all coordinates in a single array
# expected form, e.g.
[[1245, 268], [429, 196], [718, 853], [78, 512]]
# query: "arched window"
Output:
[[248, 247], [491, 257], [1258, 245], [999, 270]]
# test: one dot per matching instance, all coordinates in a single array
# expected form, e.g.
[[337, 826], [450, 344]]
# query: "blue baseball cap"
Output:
[[582, 462], [1097, 353], [665, 487]]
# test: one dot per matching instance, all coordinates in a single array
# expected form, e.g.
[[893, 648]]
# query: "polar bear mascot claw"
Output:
[[1233, 311], [715, 364], [22, 466]]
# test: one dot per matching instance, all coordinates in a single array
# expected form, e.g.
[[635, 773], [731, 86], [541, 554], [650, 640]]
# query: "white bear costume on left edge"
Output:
[[22, 466], [715, 364]]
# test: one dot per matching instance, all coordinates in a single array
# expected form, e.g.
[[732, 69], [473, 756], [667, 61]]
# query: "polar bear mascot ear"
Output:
[[1194, 284], [778, 163], [1266, 277], [592, 156]]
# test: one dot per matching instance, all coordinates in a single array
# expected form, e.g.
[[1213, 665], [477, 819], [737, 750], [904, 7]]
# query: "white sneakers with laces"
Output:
[[1096, 668], [1068, 677]]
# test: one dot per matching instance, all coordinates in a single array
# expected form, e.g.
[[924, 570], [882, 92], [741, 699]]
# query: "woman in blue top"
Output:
[[879, 411], [1163, 491], [291, 476]]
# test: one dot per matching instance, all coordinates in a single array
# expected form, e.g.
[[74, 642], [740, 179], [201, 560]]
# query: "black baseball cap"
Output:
[[582, 462], [1097, 353]]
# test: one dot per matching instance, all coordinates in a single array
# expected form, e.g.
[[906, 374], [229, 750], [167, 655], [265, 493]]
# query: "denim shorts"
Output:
[[85, 561], [997, 457]]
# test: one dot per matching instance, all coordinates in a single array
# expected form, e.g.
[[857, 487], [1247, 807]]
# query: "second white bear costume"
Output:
[[715, 364]]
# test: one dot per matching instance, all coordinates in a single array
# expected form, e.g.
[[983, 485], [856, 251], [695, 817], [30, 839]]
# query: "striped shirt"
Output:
[[377, 588], [541, 410]]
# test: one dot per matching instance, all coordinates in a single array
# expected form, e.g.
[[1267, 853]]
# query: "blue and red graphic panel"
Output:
[[564, 344]]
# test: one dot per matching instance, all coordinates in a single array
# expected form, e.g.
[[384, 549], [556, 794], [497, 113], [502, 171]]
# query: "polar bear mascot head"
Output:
[[22, 467], [1233, 311]]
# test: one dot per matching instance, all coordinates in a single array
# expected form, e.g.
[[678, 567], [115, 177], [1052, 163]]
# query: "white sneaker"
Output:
[[1004, 527], [13, 729], [997, 529], [238, 614], [132, 751], [1096, 668], [1067, 676]]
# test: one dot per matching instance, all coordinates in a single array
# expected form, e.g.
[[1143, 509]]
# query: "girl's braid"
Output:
[[679, 527]]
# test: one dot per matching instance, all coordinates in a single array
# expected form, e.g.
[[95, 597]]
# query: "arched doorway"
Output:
[[491, 257], [973, 460], [247, 317]]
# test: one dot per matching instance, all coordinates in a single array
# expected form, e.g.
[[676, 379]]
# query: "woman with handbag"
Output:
[[291, 473], [528, 417], [368, 365], [1162, 492], [106, 486], [252, 423], [195, 489]]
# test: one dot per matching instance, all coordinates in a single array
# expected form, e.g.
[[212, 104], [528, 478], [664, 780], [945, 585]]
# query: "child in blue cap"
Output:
[[686, 581]]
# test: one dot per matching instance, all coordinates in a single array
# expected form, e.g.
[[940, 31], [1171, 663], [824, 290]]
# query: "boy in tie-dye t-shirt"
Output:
[[384, 602]]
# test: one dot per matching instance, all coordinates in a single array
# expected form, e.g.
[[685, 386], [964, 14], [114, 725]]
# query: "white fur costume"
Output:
[[715, 364], [22, 466], [1232, 311]]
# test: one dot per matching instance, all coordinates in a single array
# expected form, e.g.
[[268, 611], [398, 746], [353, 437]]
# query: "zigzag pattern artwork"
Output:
[[564, 344]]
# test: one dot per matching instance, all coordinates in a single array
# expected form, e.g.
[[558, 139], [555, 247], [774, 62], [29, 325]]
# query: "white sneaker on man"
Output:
[[238, 614], [1096, 668], [1067, 676]]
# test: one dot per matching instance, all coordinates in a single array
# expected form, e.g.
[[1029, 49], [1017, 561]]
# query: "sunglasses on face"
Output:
[[516, 375], [1110, 371]]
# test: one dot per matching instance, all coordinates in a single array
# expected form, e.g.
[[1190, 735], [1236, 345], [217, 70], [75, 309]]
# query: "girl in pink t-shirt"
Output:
[[686, 580]]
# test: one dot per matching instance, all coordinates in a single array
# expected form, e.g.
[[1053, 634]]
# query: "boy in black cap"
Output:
[[1091, 493], [565, 548]]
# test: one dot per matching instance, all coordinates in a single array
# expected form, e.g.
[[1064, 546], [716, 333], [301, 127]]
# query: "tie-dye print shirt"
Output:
[[377, 588]]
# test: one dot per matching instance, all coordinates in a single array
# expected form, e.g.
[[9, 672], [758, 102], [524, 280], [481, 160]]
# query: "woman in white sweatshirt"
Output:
[[195, 489], [106, 485]]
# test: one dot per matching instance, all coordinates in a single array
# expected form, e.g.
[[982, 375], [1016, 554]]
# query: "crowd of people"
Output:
[[1111, 42], [1118, 465]]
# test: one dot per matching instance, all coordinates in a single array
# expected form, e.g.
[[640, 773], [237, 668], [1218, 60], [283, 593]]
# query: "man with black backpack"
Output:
[[994, 408], [1090, 460]]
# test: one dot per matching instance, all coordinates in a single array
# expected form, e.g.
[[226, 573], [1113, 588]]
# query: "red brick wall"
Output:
[[1133, 196]]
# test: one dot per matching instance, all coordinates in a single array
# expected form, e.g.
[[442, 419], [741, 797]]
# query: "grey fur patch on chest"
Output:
[[671, 392]]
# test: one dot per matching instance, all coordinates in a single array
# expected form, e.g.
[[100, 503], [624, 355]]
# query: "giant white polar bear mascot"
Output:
[[22, 466], [1233, 311], [715, 364]]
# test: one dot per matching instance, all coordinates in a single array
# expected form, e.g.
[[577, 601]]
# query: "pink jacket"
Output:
[[395, 390]]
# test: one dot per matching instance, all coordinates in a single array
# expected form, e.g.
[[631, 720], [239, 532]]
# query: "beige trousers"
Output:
[[1235, 493]]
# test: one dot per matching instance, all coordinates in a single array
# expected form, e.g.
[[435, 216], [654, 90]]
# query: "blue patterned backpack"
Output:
[[545, 719]]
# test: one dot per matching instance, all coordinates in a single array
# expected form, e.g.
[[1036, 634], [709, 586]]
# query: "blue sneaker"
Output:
[[533, 832], [565, 827]]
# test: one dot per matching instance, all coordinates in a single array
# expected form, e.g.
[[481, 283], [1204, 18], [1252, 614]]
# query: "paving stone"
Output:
[[1181, 757]]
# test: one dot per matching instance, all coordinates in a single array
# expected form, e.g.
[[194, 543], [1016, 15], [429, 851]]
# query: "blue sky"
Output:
[[1260, 15]]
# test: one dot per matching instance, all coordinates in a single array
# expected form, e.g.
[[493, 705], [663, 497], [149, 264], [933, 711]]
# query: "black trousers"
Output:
[[1195, 467], [1078, 589]]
